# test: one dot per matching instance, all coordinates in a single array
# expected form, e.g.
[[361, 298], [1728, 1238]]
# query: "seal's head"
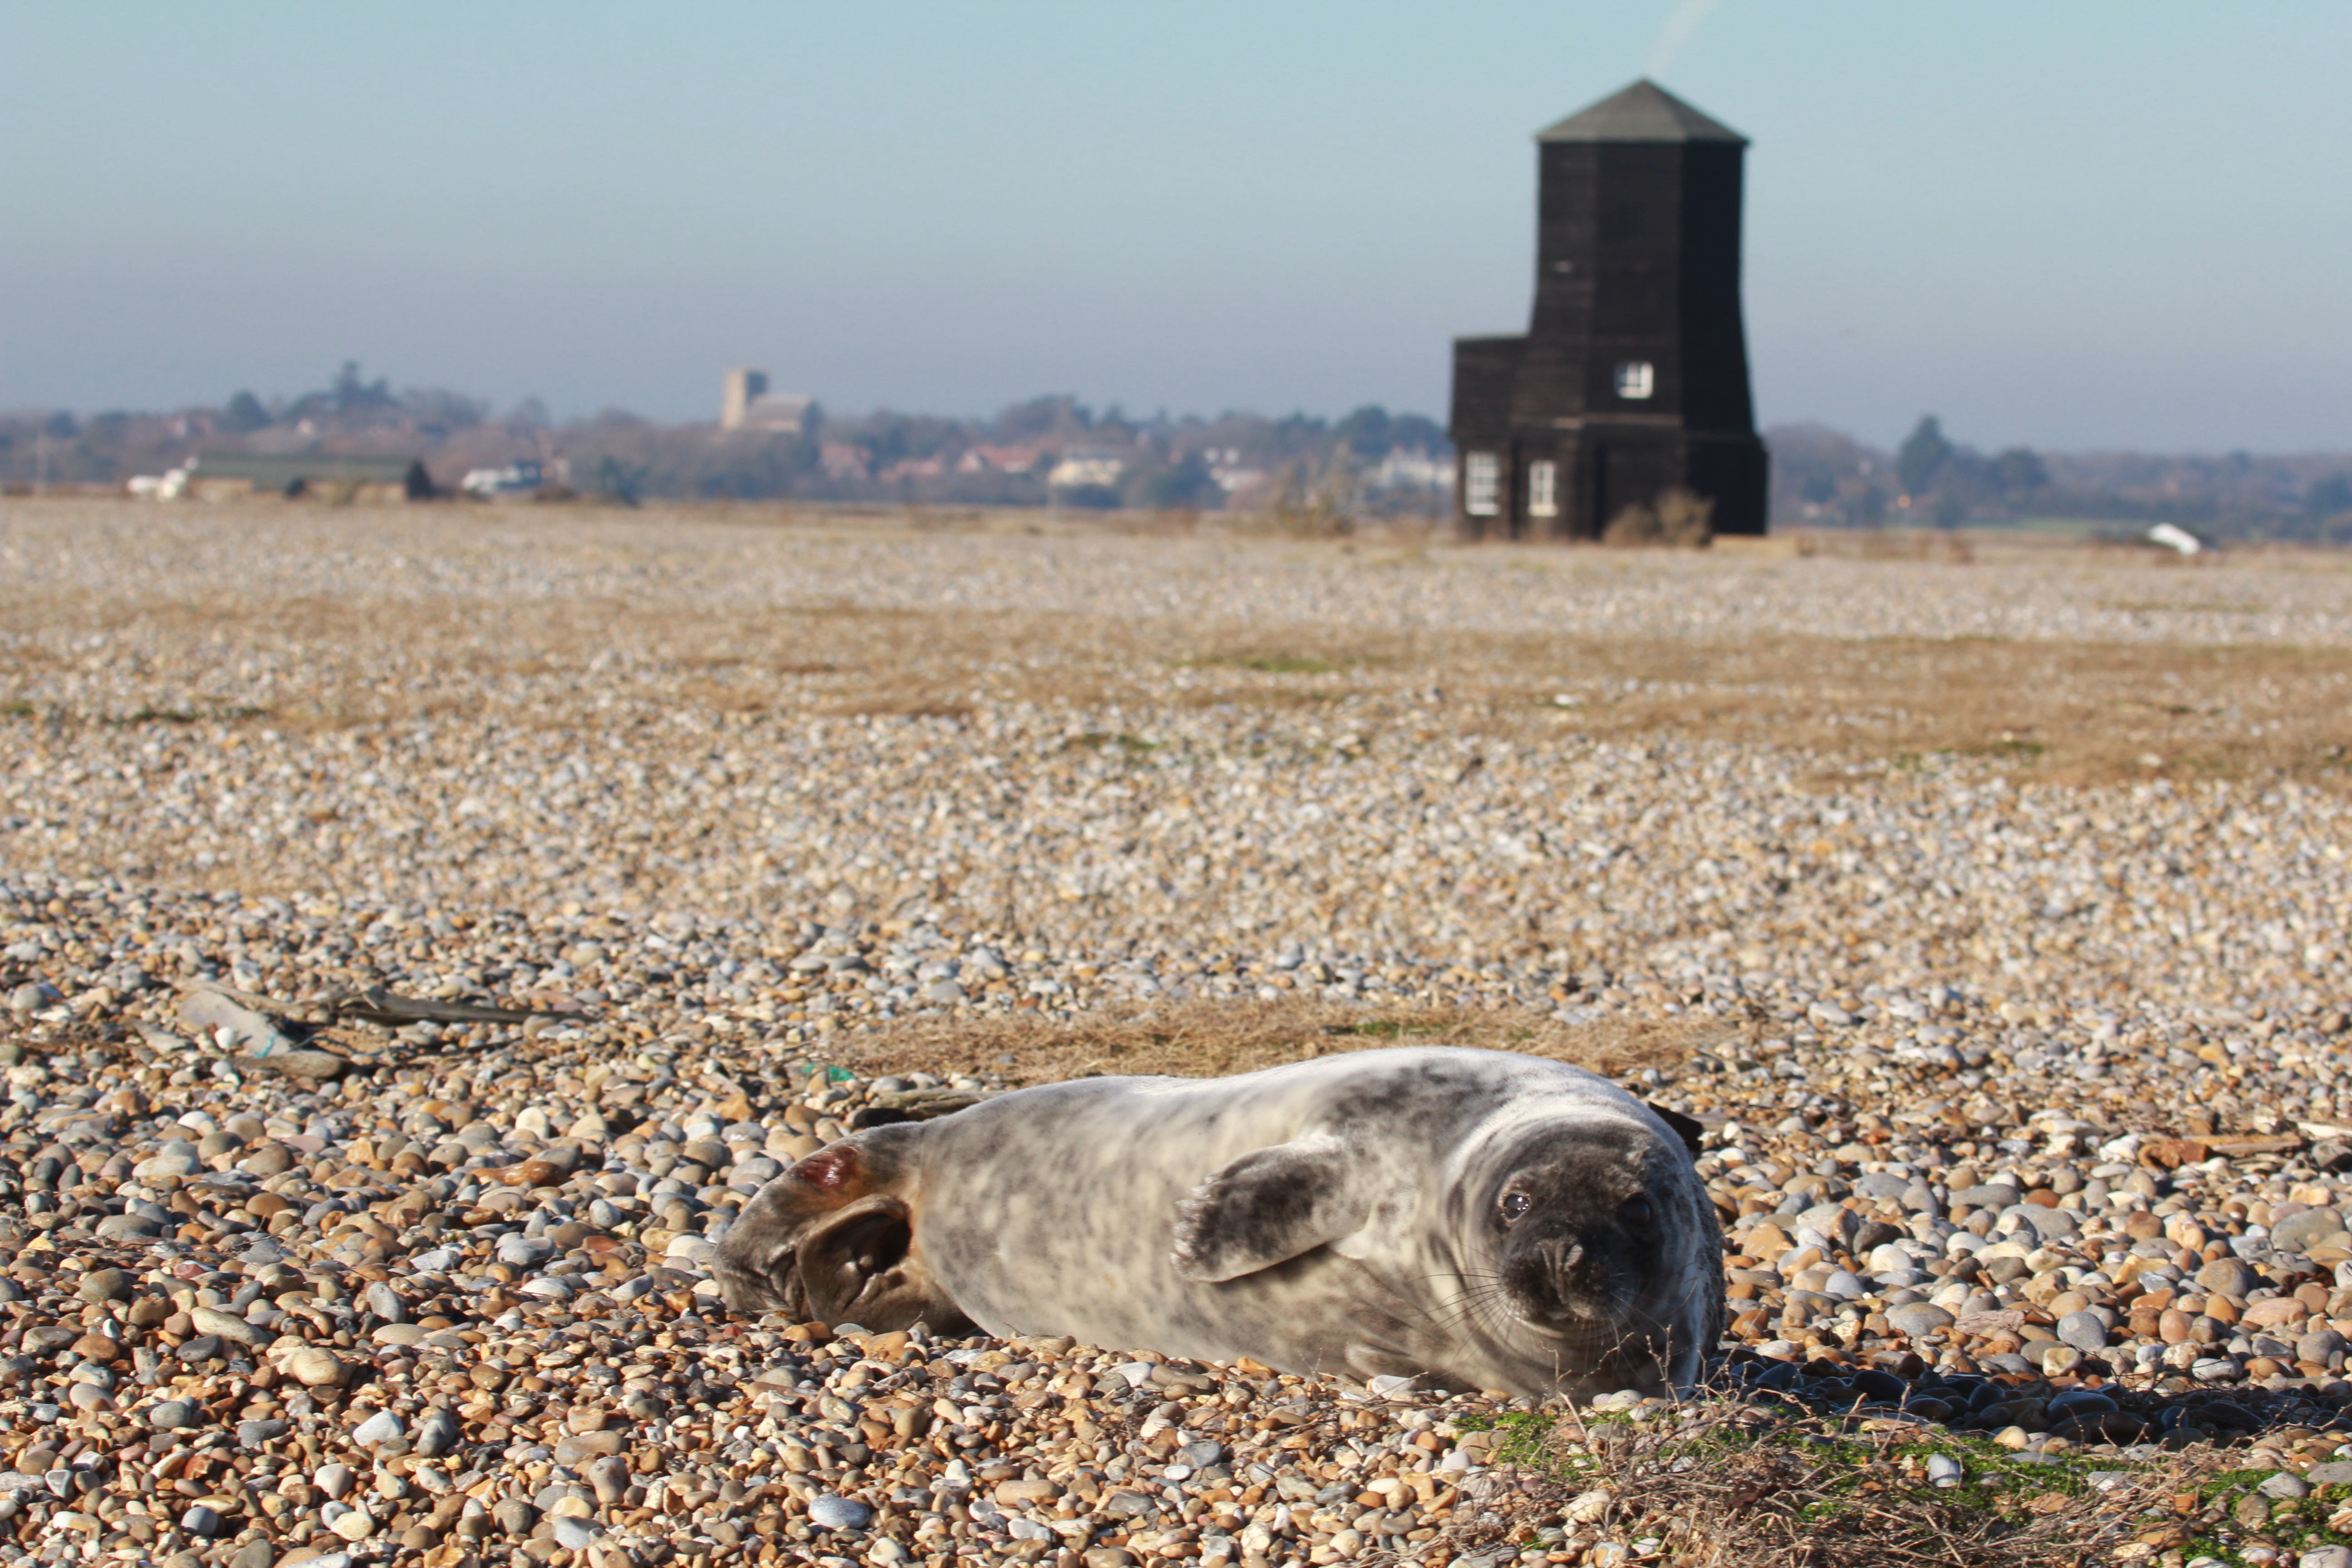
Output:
[[1577, 1232], [1586, 1234]]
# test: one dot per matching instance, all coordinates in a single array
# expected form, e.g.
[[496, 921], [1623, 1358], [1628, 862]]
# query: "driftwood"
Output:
[[375, 1005], [266, 1034]]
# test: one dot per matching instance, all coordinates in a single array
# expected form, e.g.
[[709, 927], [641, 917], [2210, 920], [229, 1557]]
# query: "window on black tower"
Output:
[[1482, 484], [1636, 378], [1543, 490]]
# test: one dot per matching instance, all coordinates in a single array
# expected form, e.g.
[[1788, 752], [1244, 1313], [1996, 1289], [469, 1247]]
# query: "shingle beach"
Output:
[[2017, 1037]]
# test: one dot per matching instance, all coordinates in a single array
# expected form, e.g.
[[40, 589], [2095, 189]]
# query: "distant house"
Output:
[[842, 460], [1080, 470], [517, 478], [1412, 469], [333, 475], [982, 460], [913, 468], [748, 405]]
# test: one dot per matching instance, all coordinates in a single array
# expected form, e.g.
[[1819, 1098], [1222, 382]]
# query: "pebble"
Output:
[[314, 1366], [830, 1512], [378, 1429], [1917, 1320], [171, 1415], [573, 1531], [104, 1285]]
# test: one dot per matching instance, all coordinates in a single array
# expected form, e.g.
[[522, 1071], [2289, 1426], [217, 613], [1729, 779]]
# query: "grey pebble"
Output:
[[377, 1430], [1919, 1319], [830, 1511], [104, 1285], [2085, 1330], [574, 1532], [437, 1432]]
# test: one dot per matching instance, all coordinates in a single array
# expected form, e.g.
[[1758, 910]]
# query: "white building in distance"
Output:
[[748, 405]]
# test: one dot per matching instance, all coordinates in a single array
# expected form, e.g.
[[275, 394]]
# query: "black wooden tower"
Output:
[[1632, 379]]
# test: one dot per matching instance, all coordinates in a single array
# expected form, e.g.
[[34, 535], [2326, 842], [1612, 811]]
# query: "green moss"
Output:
[[1381, 1030], [1270, 663], [1103, 740]]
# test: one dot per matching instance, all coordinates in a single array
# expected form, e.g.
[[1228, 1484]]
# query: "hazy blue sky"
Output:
[[2076, 225]]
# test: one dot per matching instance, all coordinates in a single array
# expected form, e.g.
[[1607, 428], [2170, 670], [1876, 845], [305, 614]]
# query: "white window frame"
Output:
[[1543, 488], [1481, 483], [1637, 379]]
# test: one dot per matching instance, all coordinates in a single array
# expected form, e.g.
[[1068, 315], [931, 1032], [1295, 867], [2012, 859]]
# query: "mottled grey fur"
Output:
[[1478, 1219]]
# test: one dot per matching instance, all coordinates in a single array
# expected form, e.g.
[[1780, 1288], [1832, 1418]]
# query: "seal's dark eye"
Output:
[[1636, 1211], [1513, 1205]]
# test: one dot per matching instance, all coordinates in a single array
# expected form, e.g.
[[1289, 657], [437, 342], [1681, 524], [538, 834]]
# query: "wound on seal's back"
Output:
[[829, 1169]]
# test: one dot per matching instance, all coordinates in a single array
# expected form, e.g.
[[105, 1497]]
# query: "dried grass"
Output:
[[1723, 1484], [1678, 520], [1205, 1038], [1884, 544]]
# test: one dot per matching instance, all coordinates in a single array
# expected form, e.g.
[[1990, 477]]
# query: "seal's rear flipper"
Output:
[[1688, 1129], [1266, 1207], [758, 1264], [819, 1242], [858, 1265]]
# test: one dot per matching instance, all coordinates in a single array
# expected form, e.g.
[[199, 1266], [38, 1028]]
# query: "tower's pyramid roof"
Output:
[[1641, 113]]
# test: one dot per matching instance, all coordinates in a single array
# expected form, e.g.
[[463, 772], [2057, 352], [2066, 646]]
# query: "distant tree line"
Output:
[[1825, 478], [1160, 461], [1298, 465]]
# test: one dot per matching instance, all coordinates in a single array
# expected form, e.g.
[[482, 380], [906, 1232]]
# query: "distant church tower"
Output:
[[1633, 376]]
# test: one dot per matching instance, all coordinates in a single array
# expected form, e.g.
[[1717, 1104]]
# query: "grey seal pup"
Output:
[[1474, 1219]]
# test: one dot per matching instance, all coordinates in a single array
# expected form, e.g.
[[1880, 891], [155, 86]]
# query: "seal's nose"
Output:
[[1560, 1254]]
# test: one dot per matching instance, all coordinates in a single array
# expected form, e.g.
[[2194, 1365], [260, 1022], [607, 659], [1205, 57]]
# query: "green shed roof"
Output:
[[278, 471]]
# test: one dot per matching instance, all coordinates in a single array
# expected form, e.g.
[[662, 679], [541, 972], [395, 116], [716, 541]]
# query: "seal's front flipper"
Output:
[[1269, 1206]]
